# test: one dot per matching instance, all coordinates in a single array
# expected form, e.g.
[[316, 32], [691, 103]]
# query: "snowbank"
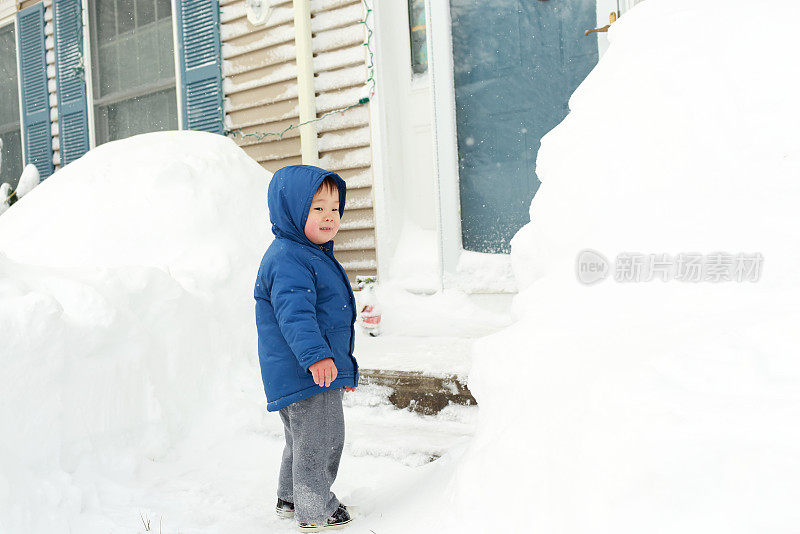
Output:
[[125, 312], [653, 406]]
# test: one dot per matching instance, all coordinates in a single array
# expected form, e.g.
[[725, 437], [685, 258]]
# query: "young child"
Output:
[[305, 312]]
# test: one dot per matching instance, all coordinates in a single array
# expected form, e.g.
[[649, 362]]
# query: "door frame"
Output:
[[445, 149]]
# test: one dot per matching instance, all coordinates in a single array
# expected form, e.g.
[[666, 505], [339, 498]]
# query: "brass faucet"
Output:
[[612, 18]]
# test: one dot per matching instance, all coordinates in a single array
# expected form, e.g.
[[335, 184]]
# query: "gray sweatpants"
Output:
[[314, 429]]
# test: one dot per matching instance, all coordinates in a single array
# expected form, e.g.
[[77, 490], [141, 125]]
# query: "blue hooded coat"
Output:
[[305, 309]]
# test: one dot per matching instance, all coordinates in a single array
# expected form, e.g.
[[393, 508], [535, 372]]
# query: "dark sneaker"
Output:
[[284, 508], [338, 520]]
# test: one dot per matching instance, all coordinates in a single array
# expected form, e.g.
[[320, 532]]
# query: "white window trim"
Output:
[[440, 71], [87, 71], [440, 79], [19, 84], [176, 56]]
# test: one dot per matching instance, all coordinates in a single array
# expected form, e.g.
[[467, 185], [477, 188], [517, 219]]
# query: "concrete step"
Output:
[[420, 392]]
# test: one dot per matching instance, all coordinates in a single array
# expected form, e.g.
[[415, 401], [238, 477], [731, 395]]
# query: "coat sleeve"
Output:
[[294, 296]]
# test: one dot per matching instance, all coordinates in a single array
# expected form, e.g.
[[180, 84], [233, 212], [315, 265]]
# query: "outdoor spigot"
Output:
[[612, 18]]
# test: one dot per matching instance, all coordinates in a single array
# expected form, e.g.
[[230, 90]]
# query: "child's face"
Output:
[[323, 217]]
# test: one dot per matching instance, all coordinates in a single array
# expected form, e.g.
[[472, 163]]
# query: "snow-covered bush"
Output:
[[27, 181]]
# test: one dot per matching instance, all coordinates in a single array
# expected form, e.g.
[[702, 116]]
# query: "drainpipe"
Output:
[[305, 81]]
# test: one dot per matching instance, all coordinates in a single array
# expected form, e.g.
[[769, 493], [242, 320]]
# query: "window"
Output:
[[11, 154], [133, 68], [417, 29]]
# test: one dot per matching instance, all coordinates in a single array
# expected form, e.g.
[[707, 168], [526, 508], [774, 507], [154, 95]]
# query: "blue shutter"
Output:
[[33, 87], [73, 125], [201, 73]]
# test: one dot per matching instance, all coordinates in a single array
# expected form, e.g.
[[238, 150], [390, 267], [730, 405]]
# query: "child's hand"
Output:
[[349, 389], [324, 372]]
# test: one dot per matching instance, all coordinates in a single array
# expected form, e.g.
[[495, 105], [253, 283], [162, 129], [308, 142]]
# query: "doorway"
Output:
[[515, 65]]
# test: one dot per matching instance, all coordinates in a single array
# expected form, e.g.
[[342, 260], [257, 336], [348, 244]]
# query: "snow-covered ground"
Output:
[[131, 389], [222, 478], [130, 386]]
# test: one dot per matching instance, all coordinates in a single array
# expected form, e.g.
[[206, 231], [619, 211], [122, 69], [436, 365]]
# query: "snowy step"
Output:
[[433, 355], [377, 428]]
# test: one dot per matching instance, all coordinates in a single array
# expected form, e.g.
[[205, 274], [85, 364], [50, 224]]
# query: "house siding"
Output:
[[261, 95], [340, 75], [260, 89]]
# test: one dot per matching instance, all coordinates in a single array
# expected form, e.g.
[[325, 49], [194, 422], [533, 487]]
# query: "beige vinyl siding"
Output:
[[340, 73], [259, 71], [261, 95], [8, 8], [27, 3]]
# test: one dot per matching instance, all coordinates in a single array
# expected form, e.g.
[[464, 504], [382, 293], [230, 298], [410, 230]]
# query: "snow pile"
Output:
[[653, 406], [126, 313]]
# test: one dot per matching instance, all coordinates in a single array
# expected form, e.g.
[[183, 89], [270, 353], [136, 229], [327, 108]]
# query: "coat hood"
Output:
[[289, 197]]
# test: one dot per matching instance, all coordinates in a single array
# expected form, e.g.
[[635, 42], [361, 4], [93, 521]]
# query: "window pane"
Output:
[[419, 43], [9, 94], [11, 164], [129, 60], [164, 9], [137, 58], [106, 20], [149, 113], [166, 56], [107, 74], [11, 152], [145, 12], [154, 55], [148, 48], [125, 15]]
